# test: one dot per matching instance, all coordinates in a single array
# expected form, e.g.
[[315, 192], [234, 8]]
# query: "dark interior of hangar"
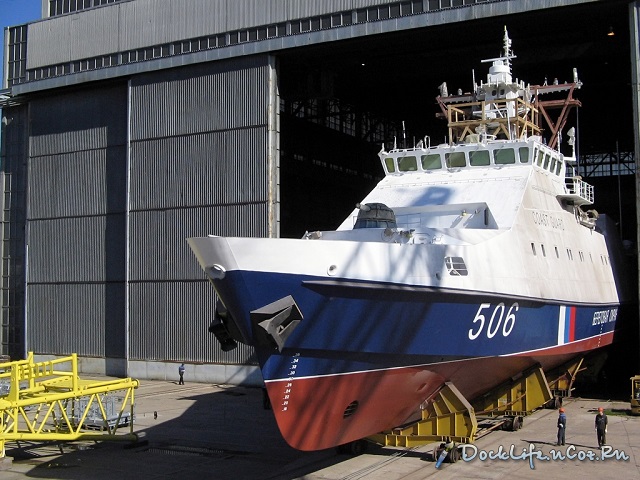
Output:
[[388, 79], [380, 82]]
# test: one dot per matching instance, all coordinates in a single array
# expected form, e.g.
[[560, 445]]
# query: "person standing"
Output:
[[181, 373], [562, 426], [601, 427]]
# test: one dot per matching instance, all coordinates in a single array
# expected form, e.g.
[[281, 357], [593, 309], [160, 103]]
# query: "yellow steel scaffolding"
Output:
[[47, 401]]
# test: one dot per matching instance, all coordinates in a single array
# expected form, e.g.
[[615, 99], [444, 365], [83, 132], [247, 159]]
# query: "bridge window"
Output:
[[455, 160], [547, 159], [431, 162], [505, 156], [524, 154], [407, 164], [389, 163], [558, 167], [540, 158], [479, 158]]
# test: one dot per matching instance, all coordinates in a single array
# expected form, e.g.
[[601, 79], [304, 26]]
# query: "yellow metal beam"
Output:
[[561, 379], [48, 402], [520, 395], [448, 417]]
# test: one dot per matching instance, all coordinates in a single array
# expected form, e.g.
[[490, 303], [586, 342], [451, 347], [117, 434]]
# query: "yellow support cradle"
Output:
[[47, 402], [518, 396], [448, 417]]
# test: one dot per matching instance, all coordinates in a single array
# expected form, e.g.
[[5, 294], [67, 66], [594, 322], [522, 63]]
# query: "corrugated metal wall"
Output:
[[198, 166], [131, 25], [14, 154], [120, 176], [76, 223]]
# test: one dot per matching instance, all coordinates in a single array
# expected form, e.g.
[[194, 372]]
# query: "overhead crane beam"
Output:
[[47, 402]]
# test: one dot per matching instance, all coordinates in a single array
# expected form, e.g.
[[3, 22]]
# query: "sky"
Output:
[[17, 12]]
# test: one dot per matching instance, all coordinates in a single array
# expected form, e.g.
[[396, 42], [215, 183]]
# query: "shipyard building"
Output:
[[130, 125]]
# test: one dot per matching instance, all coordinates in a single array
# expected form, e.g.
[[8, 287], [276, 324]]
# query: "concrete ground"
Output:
[[205, 431]]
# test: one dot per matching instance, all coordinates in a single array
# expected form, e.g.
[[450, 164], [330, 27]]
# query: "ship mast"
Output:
[[504, 109]]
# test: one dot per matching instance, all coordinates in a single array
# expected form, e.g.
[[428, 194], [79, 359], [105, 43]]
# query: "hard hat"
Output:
[[561, 410]]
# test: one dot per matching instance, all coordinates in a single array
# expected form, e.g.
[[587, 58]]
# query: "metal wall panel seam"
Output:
[[127, 239]]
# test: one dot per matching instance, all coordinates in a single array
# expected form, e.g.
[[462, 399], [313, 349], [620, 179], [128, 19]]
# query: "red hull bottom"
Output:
[[323, 412]]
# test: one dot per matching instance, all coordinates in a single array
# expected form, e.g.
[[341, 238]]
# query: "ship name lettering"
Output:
[[600, 317], [497, 319], [546, 220], [604, 316]]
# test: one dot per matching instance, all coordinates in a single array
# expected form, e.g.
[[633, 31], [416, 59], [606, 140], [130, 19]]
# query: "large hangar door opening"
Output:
[[342, 100]]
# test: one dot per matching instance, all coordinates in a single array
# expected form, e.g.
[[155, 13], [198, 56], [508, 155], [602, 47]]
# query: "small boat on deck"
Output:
[[469, 262]]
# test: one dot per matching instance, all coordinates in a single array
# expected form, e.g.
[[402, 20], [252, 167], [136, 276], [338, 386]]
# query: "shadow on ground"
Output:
[[192, 431]]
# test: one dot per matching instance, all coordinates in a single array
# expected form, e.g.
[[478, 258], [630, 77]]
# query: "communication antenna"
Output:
[[404, 136]]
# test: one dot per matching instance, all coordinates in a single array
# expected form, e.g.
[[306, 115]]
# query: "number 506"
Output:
[[493, 326]]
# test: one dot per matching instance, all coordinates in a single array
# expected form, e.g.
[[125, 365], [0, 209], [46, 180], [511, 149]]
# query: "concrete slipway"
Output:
[[205, 431]]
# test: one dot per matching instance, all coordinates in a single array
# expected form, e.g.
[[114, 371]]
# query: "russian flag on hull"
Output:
[[566, 325]]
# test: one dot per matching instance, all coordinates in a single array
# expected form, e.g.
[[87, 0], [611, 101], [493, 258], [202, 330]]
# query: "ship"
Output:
[[469, 262]]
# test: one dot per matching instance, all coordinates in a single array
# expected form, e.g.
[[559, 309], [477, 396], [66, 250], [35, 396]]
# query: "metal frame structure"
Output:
[[46, 402]]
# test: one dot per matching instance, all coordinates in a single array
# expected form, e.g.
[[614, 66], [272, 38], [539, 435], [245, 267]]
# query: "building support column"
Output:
[[634, 31]]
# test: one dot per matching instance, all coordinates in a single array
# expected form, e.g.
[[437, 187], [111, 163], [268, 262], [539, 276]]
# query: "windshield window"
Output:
[[479, 158], [455, 160], [504, 156], [431, 162], [407, 164]]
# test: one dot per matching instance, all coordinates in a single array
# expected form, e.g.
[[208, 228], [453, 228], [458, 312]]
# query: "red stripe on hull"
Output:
[[322, 412], [572, 348]]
